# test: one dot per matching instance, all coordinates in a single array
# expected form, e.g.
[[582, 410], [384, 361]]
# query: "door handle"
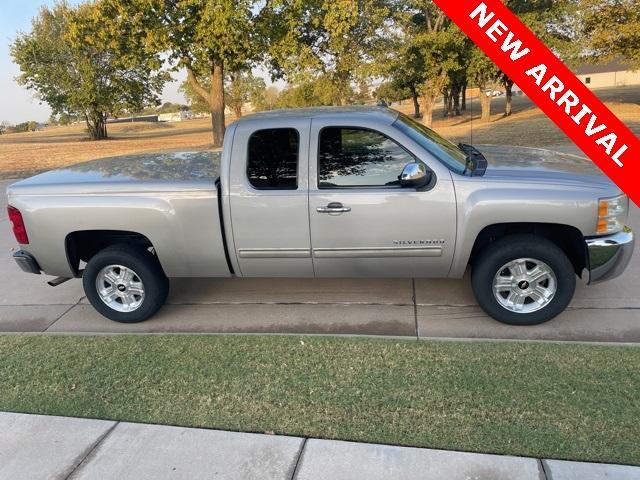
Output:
[[333, 207]]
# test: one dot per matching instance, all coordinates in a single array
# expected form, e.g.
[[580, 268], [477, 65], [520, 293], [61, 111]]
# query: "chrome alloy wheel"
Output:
[[525, 285], [120, 288]]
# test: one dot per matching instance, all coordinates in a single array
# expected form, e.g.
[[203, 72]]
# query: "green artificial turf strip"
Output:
[[574, 402]]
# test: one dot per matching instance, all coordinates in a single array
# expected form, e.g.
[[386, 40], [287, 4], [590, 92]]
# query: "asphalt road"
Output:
[[422, 308]]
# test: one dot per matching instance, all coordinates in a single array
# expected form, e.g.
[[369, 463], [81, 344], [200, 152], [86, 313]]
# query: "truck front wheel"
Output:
[[125, 284], [523, 280]]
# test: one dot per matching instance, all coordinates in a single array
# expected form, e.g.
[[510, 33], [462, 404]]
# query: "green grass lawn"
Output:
[[544, 400]]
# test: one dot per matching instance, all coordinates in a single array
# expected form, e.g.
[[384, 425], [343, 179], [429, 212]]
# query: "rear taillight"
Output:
[[19, 230]]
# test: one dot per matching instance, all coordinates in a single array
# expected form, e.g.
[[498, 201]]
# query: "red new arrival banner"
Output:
[[552, 86]]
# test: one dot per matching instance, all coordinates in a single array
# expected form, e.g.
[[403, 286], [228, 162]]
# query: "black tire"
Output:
[[146, 268], [510, 248]]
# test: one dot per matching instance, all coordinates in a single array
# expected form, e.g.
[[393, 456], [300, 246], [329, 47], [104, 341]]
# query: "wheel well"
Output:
[[569, 239], [83, 245]]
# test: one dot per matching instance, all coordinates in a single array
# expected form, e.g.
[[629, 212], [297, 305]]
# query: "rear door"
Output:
[[269, 199], [362, 222]]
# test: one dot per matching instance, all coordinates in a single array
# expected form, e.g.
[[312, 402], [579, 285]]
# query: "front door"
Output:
[[269, 200], [362, 222]]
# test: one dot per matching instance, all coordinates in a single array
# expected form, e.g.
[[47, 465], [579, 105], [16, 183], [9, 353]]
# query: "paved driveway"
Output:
[[398, 307]]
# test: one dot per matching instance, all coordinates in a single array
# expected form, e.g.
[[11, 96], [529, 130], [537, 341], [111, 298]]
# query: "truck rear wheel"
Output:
[[125, 284], [523, 280]]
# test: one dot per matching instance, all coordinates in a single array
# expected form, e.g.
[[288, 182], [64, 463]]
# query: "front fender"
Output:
[[480, 206]]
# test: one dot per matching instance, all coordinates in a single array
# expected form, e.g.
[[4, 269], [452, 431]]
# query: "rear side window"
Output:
[[356, 157], [273, 159]]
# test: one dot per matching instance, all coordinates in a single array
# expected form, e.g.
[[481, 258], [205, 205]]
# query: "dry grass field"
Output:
[[24, 154]]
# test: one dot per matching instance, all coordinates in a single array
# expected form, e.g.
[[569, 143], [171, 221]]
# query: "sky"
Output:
[[17, 104]]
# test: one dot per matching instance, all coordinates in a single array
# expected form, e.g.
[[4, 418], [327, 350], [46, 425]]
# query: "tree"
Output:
[[207, 38], [551, 22], [484, 74], [313, 93], [168, 107], [268, 100], [77, 67], [66, 119], [30, 126], [403, 62], [429, 50], [441, 52], [612, 28], [332, 40], [392, 92], [196, 103], [242, 88]]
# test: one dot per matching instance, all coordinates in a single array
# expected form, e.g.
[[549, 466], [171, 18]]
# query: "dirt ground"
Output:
[[24, 154]]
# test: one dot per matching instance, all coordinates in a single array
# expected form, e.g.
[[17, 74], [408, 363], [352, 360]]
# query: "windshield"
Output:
[[439, 147]]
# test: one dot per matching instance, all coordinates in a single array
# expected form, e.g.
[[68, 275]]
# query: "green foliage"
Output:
[[63, 119], [612, 29], [169, 107], [78, 66], [197, 104], [30, 126], [207, 38], [553, 21], [313, 93], [392, 92], [268, 100], [335, 40], [241, 88]]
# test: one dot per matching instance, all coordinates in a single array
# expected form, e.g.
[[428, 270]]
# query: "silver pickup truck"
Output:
[[348, 192]]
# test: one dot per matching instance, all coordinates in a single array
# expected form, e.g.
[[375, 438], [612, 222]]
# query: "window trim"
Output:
[[246, 169], [370, 187]]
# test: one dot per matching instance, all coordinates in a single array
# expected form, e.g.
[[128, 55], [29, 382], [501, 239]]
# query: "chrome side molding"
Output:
[[274, 253], [385, 252]]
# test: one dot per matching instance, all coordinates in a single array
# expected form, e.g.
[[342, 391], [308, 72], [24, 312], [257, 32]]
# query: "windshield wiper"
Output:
[[476, 162]]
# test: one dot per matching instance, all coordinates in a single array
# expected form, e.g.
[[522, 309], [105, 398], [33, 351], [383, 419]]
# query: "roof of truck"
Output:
[[374, 113]]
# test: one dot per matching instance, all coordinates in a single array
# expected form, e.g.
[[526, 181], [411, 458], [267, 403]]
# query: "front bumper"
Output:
[[609, 255], [26, 262]]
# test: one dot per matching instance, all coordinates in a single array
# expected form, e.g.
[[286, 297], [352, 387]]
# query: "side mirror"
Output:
[[415, 175]]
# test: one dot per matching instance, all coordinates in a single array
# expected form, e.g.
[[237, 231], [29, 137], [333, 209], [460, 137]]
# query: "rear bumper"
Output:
[[26, 262], [609, 255]]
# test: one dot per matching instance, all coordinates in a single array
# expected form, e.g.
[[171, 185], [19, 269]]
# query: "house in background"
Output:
[[612, 74]]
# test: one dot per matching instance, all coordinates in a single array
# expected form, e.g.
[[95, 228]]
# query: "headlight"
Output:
[[612, 214]]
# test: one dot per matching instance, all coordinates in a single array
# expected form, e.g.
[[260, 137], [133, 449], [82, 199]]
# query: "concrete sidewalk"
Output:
[[37, 447]]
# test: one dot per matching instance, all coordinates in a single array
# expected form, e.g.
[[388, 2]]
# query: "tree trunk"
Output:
[[416, 103], [463, 106], [485, 103], [431, 88], [216, 104], [445, 103], [456, 101], [428, 102], [508, 86], [96, 125]]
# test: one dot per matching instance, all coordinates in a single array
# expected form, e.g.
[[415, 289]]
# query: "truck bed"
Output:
[[167, 171], [170, 198]]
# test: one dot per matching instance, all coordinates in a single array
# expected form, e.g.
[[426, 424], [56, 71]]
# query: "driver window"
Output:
[[356, 157]]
